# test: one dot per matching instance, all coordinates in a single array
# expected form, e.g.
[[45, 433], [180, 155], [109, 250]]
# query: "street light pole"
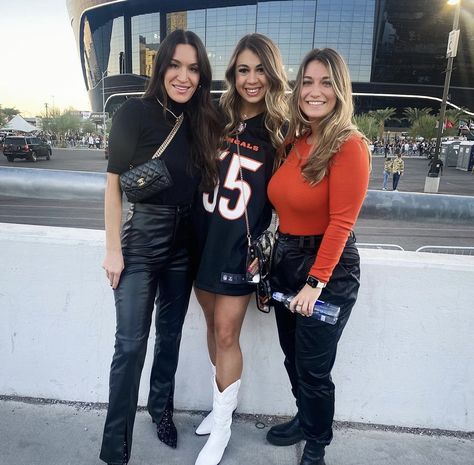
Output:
[[46, 116], [451, 53], [104, 128]]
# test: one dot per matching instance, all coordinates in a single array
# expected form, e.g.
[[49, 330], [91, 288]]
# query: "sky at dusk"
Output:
[[39, 62]]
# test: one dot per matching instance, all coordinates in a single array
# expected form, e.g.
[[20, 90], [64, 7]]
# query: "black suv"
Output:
[[25, 147]]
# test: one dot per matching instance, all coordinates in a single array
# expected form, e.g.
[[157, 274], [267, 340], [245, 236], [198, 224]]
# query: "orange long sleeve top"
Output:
[[330, 208]]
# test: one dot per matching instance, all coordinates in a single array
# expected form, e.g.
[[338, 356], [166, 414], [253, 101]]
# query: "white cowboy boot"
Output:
[[205, 427], [224, 404]]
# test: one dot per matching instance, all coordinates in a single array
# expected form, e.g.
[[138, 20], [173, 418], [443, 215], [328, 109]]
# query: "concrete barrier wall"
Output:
[[406, 357], [82, 185]]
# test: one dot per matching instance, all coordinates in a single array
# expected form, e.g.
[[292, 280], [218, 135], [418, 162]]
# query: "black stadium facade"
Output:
[[396, 49]]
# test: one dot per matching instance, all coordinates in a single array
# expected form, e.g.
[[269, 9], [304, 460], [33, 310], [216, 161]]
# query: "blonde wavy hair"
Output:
[[335, 128], [276, 103]]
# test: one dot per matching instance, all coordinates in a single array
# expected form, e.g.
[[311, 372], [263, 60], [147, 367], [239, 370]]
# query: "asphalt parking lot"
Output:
[[409, 235]]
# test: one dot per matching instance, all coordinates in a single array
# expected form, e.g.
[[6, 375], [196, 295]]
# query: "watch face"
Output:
[[313, 282]]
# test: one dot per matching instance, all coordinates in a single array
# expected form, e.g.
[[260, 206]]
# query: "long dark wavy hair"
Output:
[[206, 127]]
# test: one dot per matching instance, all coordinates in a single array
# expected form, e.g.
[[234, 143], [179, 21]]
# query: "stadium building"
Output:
[[394, 48]]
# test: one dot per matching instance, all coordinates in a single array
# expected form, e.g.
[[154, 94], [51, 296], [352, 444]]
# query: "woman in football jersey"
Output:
[[317, 192], [254, 107], [148, 261]]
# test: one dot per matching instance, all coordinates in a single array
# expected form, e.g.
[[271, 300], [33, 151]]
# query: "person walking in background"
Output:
[[398, 167], [254, 109], [387, 171], [148, 263], [317, 192]]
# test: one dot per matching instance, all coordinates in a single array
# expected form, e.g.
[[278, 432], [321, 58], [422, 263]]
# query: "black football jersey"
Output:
[[220, 215]]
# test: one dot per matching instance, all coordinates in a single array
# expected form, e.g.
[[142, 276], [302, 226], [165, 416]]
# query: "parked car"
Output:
[[26, 147]]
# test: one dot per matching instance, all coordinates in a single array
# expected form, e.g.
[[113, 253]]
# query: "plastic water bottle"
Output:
[[322, 311]]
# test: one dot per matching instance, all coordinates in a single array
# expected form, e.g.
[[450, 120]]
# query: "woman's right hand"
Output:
[[113, 266]]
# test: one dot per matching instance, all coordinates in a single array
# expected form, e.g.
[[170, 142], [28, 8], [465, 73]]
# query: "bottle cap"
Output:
[[278, 296]]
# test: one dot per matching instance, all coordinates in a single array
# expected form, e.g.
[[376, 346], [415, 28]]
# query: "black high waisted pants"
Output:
[[310, 345], [156, 249]]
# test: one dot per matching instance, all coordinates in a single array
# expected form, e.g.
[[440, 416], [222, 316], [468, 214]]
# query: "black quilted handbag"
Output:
[[145, 180]]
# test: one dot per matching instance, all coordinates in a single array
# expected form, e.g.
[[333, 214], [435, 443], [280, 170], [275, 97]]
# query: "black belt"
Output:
[[304, 242], [151, 207]]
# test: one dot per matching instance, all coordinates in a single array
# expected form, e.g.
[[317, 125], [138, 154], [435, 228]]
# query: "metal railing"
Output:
[[362, 245], [446, 249]]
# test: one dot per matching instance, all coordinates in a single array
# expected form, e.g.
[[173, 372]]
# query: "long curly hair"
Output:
[[335, 128], [275, 98], [205, 121]]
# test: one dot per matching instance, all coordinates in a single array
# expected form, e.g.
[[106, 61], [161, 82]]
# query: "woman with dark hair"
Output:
[[147, 263], [317, 192], [254, 108]]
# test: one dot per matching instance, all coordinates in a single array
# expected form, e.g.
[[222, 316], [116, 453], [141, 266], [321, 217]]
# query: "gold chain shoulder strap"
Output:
[[167, 141]]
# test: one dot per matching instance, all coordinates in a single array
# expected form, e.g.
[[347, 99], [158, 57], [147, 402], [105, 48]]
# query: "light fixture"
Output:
[[453, 2]]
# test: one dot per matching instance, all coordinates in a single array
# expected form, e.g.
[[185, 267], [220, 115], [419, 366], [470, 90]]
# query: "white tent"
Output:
[[17, 123]]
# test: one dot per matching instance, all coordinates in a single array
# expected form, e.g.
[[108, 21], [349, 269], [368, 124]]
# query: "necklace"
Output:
[[166, 108], [241, 125]]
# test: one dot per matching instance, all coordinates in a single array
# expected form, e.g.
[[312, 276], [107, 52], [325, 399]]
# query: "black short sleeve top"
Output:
[[139, 127]]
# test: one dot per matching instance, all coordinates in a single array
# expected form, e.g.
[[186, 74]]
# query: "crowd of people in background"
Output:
[[87, 140], [406, 146]]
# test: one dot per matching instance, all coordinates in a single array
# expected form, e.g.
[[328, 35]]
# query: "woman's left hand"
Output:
[[305, 300]]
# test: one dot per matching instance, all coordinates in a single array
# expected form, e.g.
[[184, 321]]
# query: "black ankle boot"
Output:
[[313, 454], [286, 434], [166, 429]]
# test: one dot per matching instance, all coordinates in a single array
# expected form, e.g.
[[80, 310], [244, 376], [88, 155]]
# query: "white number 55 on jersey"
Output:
[[233, 182]]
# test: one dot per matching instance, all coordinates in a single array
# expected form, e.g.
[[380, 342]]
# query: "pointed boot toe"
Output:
[[166, 430]]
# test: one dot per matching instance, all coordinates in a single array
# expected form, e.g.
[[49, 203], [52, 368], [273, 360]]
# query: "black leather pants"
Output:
[[310, 345], [156, 250]]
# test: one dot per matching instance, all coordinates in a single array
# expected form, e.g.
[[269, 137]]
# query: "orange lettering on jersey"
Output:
[[244, 144]]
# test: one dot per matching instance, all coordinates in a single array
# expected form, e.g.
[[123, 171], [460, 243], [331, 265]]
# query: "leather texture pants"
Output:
[[156, 241], [310, 345]]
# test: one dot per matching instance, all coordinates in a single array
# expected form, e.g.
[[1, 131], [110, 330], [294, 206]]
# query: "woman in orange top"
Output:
[[317, 192]]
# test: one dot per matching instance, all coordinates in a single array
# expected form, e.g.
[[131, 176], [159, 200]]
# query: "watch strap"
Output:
[[315, 282]]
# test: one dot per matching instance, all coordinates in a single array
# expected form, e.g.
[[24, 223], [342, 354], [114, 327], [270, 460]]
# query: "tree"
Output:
[[87, 126], [61, 123], [412, 114], [68, 121], [381, 116], [451, 118], [6, 114], [367, 125], [424, 126]]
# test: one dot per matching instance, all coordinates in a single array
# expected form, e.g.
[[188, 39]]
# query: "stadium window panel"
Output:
[[291, 27], [145, 42]]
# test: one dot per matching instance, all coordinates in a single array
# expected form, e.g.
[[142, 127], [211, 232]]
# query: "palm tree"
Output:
[[381, 116], [412, 114], [452, 115], [424, 126], [367, 125]]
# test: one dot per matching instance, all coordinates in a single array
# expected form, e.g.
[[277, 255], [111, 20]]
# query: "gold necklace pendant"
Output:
[[166, 108], [240, 127]]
